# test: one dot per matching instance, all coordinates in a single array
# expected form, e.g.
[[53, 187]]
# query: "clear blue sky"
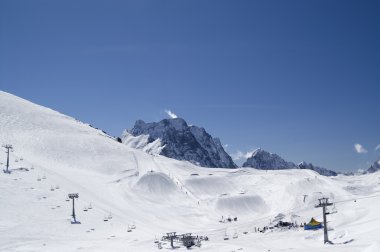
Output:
[[298, 78]]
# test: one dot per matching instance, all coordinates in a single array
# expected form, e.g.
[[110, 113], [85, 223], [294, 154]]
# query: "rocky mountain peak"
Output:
[[180, 141]]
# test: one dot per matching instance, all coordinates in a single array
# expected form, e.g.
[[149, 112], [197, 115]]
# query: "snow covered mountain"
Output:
[[320, 170], [175, 139], [118, 186], [265, 160], [374, 168]]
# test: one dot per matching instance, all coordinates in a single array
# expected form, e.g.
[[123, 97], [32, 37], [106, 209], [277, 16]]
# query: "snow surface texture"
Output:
[[156, 194], [264, 160], [175, 139]]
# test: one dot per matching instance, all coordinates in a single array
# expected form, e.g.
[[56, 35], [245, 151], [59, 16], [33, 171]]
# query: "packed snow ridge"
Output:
[[265, 160], [174, 138]]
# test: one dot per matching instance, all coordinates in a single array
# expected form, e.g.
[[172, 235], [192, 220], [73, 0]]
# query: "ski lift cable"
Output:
[[356, 198]]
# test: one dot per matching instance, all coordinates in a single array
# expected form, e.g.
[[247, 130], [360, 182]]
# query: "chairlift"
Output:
[[105, 218], [44, 177], [226, 237], [85, 209], [38, 178], [57, 187], [90, 206], [133, 226], [235, 235], [110, 216], [51, 188], [129, 229], [67, 199]]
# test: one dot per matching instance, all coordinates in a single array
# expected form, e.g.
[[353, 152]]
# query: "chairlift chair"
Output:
[[235, 235], [226, 237]]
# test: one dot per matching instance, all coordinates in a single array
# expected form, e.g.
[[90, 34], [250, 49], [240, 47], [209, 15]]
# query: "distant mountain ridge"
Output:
[[320, 170], [373, 168], [264, 160], [174, 138]]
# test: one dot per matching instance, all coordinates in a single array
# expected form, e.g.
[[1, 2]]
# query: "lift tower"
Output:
[[324, 202], [74, 196], [9, 148]]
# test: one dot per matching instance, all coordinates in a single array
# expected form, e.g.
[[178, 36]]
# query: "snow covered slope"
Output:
[[55, 155]]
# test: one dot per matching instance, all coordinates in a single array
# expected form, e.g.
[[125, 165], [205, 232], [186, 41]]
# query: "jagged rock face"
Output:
[[374, 168], [264, 160], [320, 170], [183, 142]]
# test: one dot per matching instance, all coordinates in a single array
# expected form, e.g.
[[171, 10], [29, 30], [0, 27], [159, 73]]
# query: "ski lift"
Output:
[[235, 236], [226, 237], [133, 226], [51, 188], [155, 239], [85, 209], [57, 187], [90, 206], [110, 216], [67, 199], [159, 245], [105, 218], [129, 229], [44, 177], [333, 210], [38, 178]]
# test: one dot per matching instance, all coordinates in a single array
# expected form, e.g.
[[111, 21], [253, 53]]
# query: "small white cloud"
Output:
[[360, 149], [377, 148], [242, 156], [170, 114], [225, 146]]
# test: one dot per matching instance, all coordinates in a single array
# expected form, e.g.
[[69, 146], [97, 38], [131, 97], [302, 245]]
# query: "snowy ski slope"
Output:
[[158, 195]]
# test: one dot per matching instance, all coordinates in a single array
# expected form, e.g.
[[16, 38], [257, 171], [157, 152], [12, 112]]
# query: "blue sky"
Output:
[[298, 78]]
